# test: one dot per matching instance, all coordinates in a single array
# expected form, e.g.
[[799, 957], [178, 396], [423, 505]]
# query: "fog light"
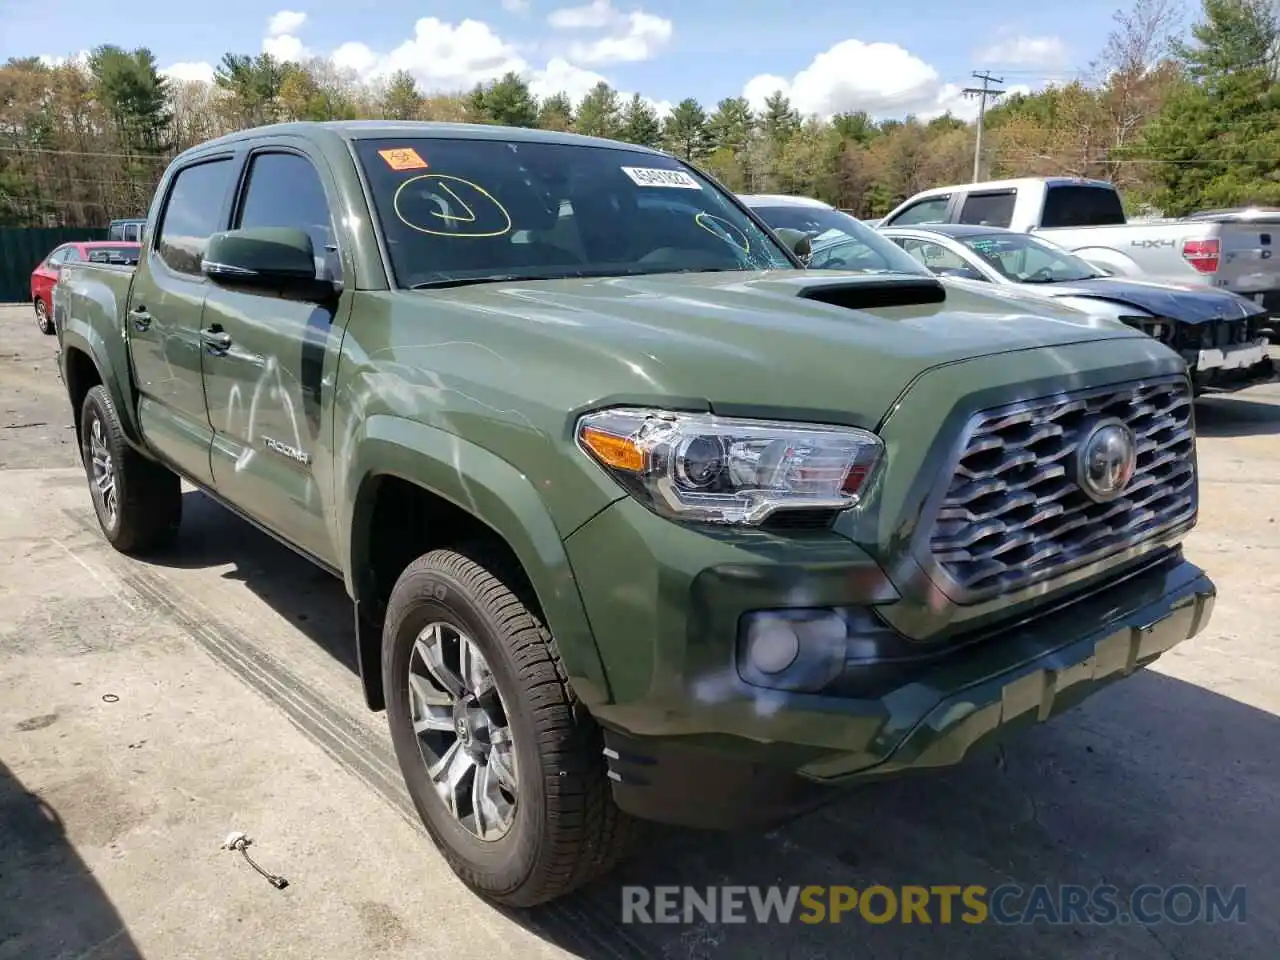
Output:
[[772, 645], [800, 650]]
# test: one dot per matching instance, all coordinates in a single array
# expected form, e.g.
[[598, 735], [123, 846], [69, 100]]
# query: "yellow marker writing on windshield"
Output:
[[481, 202]]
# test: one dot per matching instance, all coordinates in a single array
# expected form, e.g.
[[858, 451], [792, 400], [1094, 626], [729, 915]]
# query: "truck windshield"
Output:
[[456, 211], [841, 242], [1025, 259]]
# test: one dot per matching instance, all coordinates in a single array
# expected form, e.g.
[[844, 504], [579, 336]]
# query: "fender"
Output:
[[112, 363], [495, 493]]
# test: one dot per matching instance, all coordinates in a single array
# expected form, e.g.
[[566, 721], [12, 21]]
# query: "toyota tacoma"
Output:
[[640, 519]]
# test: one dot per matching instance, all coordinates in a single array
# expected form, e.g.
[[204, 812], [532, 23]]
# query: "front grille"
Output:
[[1014, 514]]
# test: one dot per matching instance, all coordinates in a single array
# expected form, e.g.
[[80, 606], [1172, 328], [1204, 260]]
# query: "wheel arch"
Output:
[[410, 488], [86, 362]]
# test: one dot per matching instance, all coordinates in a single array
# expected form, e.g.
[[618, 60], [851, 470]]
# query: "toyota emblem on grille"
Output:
[[1106, 460]]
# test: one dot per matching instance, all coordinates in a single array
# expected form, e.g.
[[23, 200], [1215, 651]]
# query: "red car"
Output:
[[46, 274]]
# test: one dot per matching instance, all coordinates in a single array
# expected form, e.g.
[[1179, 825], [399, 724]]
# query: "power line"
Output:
[[982, 93]]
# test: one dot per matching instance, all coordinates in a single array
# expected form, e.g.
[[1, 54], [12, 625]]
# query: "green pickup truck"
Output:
[[640, 519]]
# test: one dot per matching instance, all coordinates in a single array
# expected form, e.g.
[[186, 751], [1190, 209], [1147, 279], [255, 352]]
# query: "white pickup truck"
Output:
[[1087, 218]]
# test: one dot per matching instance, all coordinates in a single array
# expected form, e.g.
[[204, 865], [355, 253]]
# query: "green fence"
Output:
[[22, 249]]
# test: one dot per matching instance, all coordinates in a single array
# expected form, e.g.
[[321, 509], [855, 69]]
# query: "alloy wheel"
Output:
[[104, 472], [463, 732]]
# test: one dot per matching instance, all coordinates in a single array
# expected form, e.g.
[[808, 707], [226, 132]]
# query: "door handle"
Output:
[[216, 340], [141, 319]]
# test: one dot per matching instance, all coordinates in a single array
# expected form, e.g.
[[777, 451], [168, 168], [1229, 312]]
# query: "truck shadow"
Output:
[[51, 907], [1155, 781], [1236, 416]]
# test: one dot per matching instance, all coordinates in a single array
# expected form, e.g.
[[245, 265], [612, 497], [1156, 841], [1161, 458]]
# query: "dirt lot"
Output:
[[146, 710]]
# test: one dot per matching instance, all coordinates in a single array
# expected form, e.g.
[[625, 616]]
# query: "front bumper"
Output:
[[1231, 368], [688, 742]]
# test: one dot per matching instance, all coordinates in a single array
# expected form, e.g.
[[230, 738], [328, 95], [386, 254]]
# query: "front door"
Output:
[[268, 391], [164, 312]]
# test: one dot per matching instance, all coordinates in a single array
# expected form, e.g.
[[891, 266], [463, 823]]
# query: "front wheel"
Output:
[[138, 501], [43, 320], [504, 767]]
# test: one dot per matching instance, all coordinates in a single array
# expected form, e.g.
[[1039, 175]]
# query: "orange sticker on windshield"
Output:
[[403, 158]]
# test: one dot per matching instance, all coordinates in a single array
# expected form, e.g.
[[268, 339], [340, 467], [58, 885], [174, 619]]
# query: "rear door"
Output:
[[164, 310], [268, 390]]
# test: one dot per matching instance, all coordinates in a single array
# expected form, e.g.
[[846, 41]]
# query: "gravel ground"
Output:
[[146, 710]]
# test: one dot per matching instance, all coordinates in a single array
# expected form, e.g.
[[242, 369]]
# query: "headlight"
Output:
[[724, 470]]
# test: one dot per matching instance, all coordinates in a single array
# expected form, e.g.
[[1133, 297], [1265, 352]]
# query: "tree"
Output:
[[556, 112], [779, 120], [506, 101], [731, 124], [640, 123], [1234, 35], [685, 130], [253, 85], [1216, 138], [135, 95], [599, 114], [401, 100]]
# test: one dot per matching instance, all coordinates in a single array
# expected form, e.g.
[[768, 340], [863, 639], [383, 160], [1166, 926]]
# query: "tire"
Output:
[[43, 320], [143, 510], [565, 829]]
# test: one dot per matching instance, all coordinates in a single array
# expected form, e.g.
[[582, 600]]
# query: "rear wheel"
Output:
[[43, 320], [138, 501], [503, 765]]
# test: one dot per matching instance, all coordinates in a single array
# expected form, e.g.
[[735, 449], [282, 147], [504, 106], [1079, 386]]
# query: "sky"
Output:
[[887, 59]]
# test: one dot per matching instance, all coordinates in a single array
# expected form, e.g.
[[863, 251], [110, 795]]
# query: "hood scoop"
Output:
[[877, 292]]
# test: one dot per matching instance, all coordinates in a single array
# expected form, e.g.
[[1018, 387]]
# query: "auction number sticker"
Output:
[[654, 177]]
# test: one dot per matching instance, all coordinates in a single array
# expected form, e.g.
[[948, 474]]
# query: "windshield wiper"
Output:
[[467, 281]]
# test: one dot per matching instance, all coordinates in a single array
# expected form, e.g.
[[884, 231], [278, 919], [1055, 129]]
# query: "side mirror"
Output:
[[266, 259], [797, 240]]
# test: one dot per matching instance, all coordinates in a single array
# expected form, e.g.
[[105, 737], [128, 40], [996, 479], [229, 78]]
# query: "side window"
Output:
[[131, 232], [70, 255], [284, 190], [933, 210], [192, 214], [936, 257], [989, 209], [58, 256]]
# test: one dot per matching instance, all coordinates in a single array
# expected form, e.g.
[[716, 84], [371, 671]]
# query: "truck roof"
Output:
[[347, 130], [1017, 183]]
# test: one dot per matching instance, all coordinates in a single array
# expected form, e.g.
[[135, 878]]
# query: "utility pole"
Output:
[[982, 93]]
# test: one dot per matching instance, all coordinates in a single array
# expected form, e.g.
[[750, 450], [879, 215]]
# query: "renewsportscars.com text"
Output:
[[1007, 904]]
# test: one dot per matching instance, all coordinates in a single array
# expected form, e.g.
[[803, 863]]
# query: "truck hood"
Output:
[[1181, 302], [753, 343]]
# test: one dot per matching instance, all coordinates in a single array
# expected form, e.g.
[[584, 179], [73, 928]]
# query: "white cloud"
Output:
[[80, 59], [356, 56], [515, 6], [1020, 51], [189, 72], [883, 79], [285, 22], [591, 16], [561, 76], [444, 56], [629, 37], [286, 48]]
